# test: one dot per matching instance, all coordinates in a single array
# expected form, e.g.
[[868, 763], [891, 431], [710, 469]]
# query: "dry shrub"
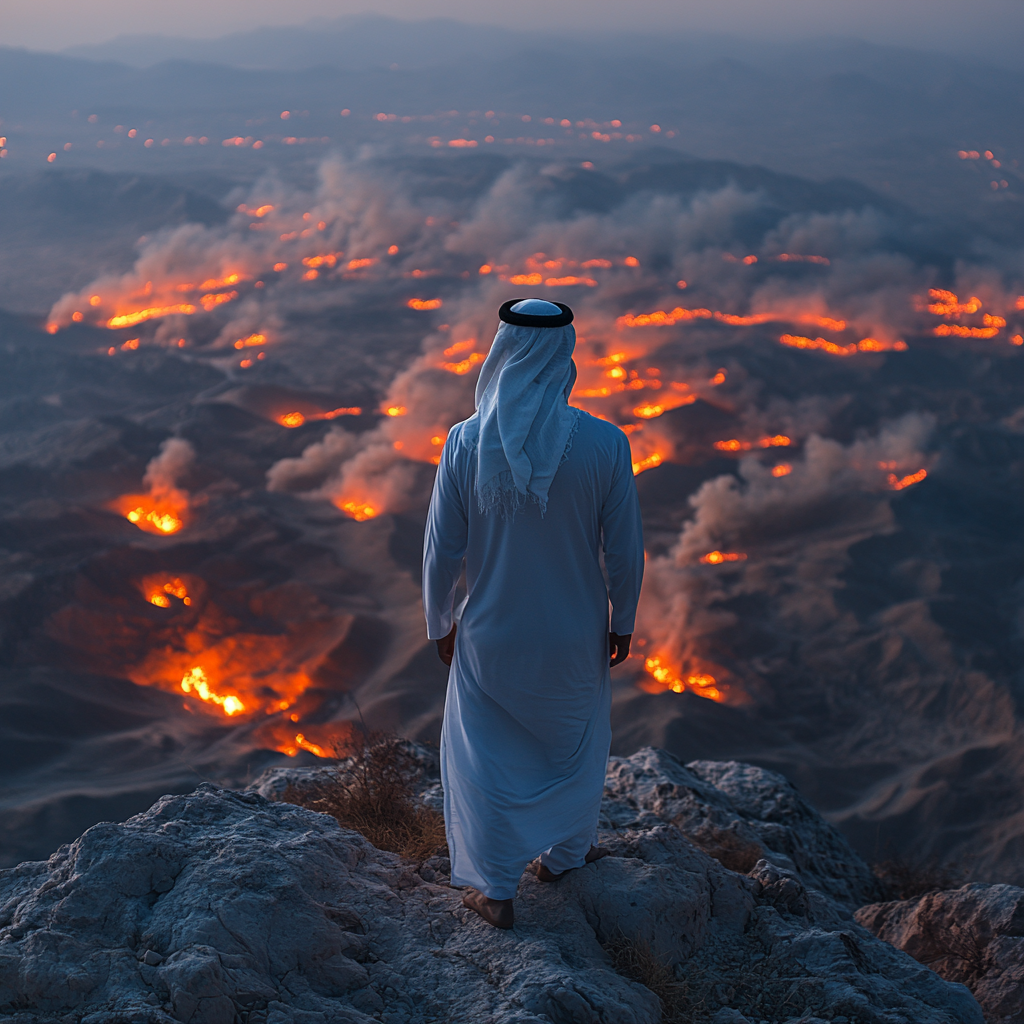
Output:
[[902, 879], [371, 790], [729, 849], [955, 955], [634, 959]]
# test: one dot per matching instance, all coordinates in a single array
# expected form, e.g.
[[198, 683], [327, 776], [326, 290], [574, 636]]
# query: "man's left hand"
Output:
[[446, 646], [618, 647]]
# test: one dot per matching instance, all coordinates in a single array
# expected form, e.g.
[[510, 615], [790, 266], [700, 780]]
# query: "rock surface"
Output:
[[974, 935], [219, 906], [738, 814]]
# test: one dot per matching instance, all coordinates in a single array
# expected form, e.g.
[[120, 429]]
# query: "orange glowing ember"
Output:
[[735, 445], [296, 419], [163, 514], [899, 483], [798, 341], [948, 304], [360, 511], [313, 748], [782, 469], [464, 365], [553, 282], [957, 331], [425, 303], [718, 557], [651, 410], [667, 678], [321, 740], [251, 341], [648, 463], [395, 410], [195, 681], [131, 319], [159, 590], [663, 318]]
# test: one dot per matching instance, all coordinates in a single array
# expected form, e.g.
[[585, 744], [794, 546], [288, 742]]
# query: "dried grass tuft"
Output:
[[372, 792], [634, 959]]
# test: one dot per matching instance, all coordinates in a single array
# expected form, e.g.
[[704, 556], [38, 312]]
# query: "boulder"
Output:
[[739, 814], [219, 906], [973, 935]]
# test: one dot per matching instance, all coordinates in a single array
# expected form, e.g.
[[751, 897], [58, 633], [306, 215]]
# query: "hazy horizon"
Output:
[[991, 28]]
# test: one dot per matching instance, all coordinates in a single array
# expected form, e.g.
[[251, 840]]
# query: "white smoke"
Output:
[[793, 533], [166, 470]]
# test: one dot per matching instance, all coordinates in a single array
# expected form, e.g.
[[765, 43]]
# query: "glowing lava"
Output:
[[735, 445], [195, 681], [664, 677], [900, 483], [649, 462], [360, 511], [296, 419], [718, 557], [161, 515], [159, 590], [154, 312]]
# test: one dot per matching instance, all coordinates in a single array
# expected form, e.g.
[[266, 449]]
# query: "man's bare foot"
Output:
[[594, 853], [495, 912]]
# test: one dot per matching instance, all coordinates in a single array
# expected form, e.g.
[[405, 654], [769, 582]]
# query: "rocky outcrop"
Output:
[[973, 935], [219, 906], [739, 814]]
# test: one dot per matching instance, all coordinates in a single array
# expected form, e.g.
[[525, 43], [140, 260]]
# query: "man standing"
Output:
[[530, 492]]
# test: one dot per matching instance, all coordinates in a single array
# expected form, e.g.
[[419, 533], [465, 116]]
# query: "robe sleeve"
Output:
[[623, 539], [444, 546]]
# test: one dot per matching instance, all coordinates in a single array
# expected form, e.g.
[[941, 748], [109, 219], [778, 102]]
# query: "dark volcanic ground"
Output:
[[869, 646]]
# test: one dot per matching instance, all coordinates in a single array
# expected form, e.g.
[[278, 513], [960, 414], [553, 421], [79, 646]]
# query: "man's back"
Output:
[[527, 727]]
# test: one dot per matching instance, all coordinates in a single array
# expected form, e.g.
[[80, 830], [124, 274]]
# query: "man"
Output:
[[530, 492]]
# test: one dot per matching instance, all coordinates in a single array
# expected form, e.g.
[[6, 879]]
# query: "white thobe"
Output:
[[526, 733]]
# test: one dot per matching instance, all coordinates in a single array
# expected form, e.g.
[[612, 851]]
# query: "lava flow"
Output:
[[161, 515], [718, 557], [197, 648], [296, 419], [663, 678], [164, 509]]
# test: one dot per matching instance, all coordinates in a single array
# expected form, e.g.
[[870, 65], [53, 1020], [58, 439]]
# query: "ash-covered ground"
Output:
[[218, 428]]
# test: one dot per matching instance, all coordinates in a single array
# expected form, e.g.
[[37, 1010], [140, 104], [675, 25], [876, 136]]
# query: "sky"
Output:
[[971, 26]]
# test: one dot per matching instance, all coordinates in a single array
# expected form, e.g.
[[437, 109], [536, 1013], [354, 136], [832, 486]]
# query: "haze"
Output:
[[992, 29]]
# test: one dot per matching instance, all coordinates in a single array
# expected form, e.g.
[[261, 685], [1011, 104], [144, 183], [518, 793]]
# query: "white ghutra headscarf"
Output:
[[523, 425]]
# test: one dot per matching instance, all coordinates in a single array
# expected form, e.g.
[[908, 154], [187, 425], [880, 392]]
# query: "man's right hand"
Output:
[[618, 647], [446, 647]]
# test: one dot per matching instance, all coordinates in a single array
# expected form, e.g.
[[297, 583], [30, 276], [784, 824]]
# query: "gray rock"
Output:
[[739, 814], [277, 915], [974, 935]]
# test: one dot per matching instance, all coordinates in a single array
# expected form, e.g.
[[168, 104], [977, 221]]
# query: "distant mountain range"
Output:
[[891, 118]]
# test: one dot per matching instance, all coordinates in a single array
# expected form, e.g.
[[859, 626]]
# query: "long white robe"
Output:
[[526, 733]]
